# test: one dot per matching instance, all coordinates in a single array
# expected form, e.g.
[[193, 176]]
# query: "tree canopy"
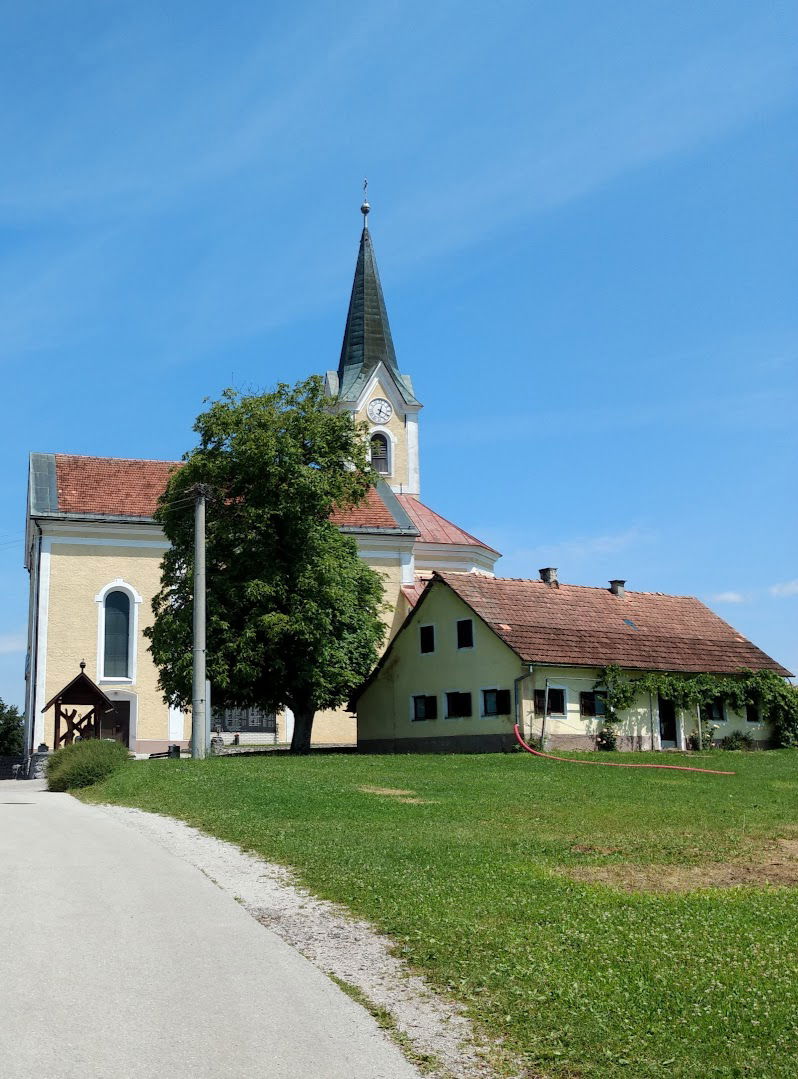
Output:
[[11, 740], [293, 613]]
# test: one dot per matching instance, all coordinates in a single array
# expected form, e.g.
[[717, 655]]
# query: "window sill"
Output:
[[115, 681]]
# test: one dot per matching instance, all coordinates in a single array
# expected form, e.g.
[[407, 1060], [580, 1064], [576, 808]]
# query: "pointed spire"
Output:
[[367, 337]]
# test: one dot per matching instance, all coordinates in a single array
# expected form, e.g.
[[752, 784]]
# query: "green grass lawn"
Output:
[[578, 979]]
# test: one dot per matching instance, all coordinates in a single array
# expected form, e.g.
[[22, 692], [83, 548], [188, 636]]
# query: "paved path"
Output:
[[119, 960]]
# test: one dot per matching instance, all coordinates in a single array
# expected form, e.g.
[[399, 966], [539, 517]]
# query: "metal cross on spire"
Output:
[[364, 209]]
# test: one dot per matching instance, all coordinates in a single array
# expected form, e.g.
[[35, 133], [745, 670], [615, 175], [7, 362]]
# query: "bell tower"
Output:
[[368, 382]]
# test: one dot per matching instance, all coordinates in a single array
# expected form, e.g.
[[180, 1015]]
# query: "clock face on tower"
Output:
[[379, 410]]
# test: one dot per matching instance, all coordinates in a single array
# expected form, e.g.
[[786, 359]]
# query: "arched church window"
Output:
[[117, 635], [379, 454]]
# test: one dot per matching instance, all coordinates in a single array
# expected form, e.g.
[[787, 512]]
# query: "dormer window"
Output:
[[379, 454]]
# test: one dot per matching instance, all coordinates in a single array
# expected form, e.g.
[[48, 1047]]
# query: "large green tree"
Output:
[[293, 613], [10, 730]]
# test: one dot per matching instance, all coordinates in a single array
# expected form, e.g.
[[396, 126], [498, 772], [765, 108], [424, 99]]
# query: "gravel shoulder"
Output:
[[433, 1032]]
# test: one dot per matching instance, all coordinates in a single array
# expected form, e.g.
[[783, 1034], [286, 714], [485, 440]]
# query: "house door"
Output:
[[667, 724], [116, 724]]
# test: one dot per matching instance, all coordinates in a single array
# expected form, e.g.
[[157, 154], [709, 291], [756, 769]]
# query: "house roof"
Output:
[[367, 335], [436, 529], [573, 625]]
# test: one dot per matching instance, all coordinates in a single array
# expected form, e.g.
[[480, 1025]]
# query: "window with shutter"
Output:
[[458, 705], [496, 702], [425, 707], [556, 701], [592, 705]]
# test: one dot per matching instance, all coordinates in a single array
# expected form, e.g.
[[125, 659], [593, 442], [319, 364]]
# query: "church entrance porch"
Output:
[[80, 710]]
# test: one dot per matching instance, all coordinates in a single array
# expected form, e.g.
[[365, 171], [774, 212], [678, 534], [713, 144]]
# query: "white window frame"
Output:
[[119, 585], [564, 713], [428, 625], [469, 647], [120, 696]]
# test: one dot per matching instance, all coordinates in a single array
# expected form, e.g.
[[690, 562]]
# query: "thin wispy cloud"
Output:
[[12, 643], [572, 553], [604, 135], [142, 137], [727, 597], [785, 589]]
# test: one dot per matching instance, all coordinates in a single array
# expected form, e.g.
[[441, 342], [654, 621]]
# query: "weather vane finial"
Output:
[[364, 209]]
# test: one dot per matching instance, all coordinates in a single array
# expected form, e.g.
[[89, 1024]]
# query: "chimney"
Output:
[[618, 588], [549, 576]]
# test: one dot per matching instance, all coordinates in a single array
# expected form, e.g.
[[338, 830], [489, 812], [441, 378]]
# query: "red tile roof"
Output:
[[109, 485], [413, 592], [577, 626], [436, 529], [371, 513]]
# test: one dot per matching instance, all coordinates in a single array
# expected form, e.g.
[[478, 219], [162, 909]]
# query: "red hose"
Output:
[[615, 764]]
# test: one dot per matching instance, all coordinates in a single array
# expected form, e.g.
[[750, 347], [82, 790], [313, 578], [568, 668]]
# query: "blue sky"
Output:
[[585, 220]]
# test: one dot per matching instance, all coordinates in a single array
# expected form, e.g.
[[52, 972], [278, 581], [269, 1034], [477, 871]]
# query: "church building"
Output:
[[93, 549]]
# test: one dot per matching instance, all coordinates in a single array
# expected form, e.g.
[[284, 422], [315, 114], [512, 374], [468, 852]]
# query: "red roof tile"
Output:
[[114, 486], [436, 529], [413, 592], [371, 513], [578, 626], [109, 485]]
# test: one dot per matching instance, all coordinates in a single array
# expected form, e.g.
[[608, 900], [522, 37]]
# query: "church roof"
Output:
[[436, 529], [112, 488], [106, 486], [367, 336]]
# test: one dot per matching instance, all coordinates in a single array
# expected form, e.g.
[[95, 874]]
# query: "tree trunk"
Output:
[[303, 726]]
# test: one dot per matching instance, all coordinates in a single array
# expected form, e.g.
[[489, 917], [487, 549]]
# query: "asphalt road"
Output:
[[119, 960]]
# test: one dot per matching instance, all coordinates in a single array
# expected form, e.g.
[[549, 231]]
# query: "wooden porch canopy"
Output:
[[80, 692]]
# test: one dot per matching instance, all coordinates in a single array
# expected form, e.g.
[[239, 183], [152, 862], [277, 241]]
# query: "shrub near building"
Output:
[[84, 763]]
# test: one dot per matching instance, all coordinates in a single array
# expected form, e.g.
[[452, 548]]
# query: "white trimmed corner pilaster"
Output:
[[413, 463], [408, 567], [43, 614]]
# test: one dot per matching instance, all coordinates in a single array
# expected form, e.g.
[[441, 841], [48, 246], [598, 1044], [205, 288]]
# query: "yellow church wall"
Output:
[[396, 428], [78, 572], [339, 726]]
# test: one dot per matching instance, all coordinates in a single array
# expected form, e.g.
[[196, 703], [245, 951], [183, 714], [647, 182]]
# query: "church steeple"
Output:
[[367, 336], [368, 383]]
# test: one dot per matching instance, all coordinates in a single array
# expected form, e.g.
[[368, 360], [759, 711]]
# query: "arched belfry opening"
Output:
[[380, 454]]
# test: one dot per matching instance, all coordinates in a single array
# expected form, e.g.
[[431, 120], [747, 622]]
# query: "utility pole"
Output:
[[198, 672]]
